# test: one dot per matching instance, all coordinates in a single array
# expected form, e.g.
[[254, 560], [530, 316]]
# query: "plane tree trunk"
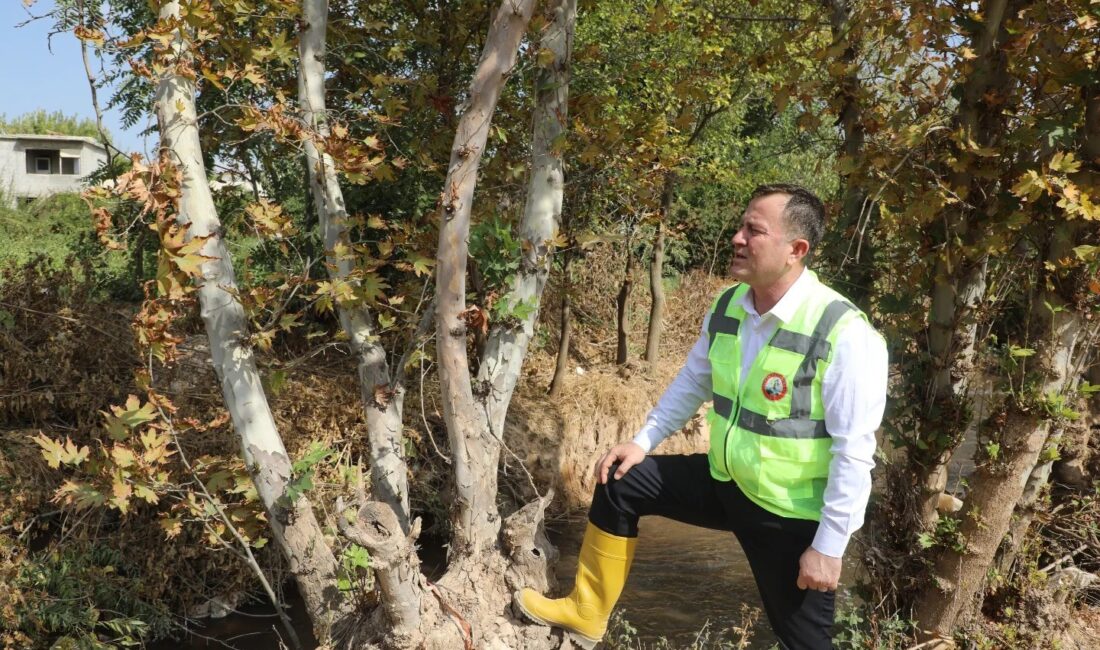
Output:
[[959, 280], [622, 308], [1019, 432], [561, 366], [1007, 481], [382, 400], [500, 366], [294, 527]]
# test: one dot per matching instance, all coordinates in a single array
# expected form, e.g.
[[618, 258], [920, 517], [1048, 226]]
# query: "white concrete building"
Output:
[[33, 166]]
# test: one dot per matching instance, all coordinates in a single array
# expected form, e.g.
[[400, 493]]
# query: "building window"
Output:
[[42, 165], [69, 166]]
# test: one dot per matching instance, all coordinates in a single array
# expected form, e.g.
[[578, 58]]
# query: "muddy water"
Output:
[[252, 627], [683, 577]]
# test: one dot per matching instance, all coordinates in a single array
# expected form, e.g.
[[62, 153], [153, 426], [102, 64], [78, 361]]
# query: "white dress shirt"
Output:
[[853, 389]]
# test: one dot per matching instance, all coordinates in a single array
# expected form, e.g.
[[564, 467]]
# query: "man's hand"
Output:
[[818, 572], [627, 454]]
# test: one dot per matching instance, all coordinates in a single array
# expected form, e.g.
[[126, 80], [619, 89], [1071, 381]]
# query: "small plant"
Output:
[[621, 635], [301, 480], [84, 598], [497, 252], [945, 534], [355, 567], [860, 627]]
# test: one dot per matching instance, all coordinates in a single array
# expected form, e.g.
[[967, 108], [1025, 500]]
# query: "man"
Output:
[[797, 377]]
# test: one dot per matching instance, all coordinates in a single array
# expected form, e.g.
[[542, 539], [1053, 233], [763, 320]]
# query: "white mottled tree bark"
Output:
[[960, 284], [382, 402], [507, 345], [294, 527], [475, 449], [955, 592]]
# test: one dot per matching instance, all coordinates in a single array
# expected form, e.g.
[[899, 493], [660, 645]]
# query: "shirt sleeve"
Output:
[[682, 398], [854, 393]]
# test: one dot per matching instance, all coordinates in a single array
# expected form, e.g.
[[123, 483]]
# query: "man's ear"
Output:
[[800, 248]]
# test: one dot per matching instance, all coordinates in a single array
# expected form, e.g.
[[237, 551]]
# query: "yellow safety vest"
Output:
[[767, 429]]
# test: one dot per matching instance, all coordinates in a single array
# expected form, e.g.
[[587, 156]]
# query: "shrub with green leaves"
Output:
[[83, 597]]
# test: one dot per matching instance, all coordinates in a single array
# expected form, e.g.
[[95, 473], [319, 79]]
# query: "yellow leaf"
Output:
[[144, 493], [80, 495], [57, 454], [51, 450], [172, 526], [1030, 186], [122, 492], [123, 456], [1065, 163], [545, 58]]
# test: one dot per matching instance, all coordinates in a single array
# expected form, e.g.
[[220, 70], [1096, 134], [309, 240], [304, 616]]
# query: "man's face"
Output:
[[763, 251]]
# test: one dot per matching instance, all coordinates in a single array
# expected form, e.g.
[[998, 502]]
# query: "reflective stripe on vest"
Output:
[[719, 322], [775, 443]]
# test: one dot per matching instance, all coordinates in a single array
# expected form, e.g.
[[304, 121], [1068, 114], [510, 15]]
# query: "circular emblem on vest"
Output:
[[774, 386]]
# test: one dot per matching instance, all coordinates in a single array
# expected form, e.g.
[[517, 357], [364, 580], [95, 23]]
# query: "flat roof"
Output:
[[55, 138]]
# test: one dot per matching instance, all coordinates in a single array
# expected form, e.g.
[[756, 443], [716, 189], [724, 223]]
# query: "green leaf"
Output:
[[316, 453], [372, 288], [357, 557], [421, 265], [1085, 252], [276, 380], [133, 415], [219, 480], [1020, 352]]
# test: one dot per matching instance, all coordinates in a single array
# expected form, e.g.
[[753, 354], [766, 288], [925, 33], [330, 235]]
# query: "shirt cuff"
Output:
[[648, 437], [830, 542]]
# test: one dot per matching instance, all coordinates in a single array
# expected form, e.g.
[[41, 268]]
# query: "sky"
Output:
[[39, 72]]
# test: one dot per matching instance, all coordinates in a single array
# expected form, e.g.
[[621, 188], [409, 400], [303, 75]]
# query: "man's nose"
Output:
[[738, 237]]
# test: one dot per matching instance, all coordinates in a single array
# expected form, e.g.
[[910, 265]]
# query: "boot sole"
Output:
[[583, 641]]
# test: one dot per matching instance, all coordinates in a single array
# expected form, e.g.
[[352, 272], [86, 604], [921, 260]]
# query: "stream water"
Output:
[[682, 579]]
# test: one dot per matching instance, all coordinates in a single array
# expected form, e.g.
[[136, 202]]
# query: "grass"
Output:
[[52, 226], [59, 228]]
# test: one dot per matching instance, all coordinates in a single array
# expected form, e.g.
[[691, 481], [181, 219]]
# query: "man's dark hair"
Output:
[[804, 215]]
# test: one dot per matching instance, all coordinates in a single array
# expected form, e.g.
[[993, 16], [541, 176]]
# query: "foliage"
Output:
[[42, 122], [968, 160], [78, 596], [621, 635], [301, 481], [65, 358], [859, 626]]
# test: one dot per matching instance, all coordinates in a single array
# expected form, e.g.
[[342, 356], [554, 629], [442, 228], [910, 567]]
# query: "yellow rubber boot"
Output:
[[602, 567]]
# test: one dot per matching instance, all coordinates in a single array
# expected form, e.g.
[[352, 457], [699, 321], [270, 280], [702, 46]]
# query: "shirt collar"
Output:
[[784, 309]]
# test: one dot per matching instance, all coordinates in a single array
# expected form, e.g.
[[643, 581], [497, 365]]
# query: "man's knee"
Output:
[[611, 510]]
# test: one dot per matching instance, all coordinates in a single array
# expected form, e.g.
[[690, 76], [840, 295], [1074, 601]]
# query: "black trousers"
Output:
[[681, 488]]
